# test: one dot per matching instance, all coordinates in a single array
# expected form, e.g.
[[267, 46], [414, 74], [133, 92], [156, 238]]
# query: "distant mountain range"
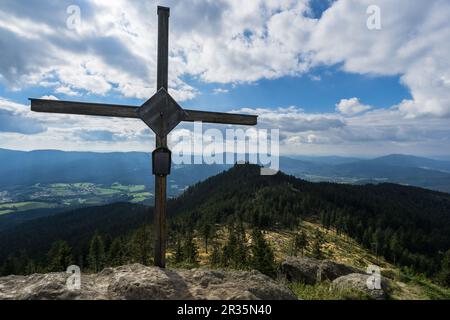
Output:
[[401, 169], [19, 168]]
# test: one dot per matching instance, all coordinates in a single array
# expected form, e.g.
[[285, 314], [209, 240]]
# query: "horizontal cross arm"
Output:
[[126, 111], [83, 108], [220, 117]]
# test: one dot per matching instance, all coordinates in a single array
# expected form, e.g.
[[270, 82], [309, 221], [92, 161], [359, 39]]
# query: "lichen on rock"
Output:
[[138, 282]]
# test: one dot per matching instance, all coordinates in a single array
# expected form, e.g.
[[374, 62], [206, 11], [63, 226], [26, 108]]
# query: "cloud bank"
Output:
[[112, 52]]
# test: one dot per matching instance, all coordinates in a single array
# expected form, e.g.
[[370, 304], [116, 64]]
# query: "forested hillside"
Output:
[[405, 224], [408, 226], [25, 247]]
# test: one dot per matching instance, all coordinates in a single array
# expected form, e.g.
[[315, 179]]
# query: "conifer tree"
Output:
[[179, 257], [262, 258], [395, 248], [206, 231], [10, 266], [378, 242], [190, 250], [117, 254], [59, 257], [317, 244], [229, 249], [299, 243], [31, 267], [214, 258], [141, 245], [235, 251], [445, 269], [96, 256]]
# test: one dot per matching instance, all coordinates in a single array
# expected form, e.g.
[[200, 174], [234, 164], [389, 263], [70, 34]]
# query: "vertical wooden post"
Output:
[[161, 182], [163, 47]]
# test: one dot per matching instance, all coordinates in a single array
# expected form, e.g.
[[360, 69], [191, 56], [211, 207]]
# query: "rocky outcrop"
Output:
[[359, 282], [138, 282], [311, 271]]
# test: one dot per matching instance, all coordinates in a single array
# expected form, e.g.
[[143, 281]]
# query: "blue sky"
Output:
[[314, 96], [311, 94], [312, 69]]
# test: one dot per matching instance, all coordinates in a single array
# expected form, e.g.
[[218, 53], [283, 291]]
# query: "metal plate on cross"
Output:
[[161, 113]]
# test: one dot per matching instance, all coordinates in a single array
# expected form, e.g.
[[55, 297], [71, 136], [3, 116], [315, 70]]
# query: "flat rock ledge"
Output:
[[138, 282]]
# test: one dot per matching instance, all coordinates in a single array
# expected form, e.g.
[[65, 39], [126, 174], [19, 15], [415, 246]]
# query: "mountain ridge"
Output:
[[20, 168]]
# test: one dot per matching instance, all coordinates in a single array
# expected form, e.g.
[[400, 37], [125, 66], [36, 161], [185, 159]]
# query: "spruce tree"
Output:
[[31, 267], [96, 256], [317, 244], [395, 248], [59, 257], [262, 258], [117, 254], [444, 274], [141, 245], [378, 242], [228, 249], [190, 250], [214, 258], [240, 255], [10, 266], [206, 231], [179, 257], [299, 243]]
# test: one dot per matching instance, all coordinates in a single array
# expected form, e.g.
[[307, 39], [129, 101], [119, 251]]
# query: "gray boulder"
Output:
[[358, 281], [137, 282], [310, 270], [330, 270]]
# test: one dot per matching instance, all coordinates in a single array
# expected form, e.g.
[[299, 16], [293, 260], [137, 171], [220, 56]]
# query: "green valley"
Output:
[[67, 195]]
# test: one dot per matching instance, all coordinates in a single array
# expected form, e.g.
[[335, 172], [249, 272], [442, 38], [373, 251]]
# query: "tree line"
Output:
[[101, 251]]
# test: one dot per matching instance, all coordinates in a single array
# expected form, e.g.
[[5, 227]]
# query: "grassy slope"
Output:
[[345, 250]]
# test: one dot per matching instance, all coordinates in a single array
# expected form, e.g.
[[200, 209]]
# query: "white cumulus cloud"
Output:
[[351, 106]]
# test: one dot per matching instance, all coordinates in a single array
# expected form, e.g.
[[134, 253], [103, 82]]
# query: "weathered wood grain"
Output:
[[83, 108], [220, 117], [161, 141], [127, 111]]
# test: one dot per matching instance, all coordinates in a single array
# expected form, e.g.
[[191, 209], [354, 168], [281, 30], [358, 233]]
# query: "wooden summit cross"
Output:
[[162, 114]]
